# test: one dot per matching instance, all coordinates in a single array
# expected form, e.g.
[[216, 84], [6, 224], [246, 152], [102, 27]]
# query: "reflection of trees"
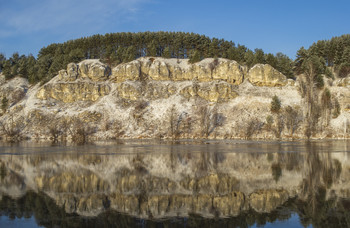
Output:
[[2, 171], [276, 171], [209, 160], [321, 172]]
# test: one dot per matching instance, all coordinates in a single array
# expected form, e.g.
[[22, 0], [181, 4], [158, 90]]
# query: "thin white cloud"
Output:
[[48, 15]]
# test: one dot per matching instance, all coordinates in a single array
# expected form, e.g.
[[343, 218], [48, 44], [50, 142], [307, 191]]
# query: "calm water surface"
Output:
[[183, 184]]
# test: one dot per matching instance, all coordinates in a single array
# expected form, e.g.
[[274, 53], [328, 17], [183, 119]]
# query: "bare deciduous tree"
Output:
[[252, 127], [80, 131], [12, 129], [280, 122], [293, 119], [57, 128]]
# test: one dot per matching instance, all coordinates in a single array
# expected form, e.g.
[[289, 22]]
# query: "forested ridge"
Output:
[[333, 53], [115, 48]]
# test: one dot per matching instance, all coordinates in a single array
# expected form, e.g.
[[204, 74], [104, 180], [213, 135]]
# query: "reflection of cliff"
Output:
[[176, 180], [48, 214]]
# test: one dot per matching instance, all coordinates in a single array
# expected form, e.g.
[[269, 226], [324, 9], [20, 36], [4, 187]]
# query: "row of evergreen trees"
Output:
[[333, 53], [115, 48]]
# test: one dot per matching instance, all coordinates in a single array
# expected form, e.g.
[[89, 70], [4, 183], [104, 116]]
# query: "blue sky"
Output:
[[273, 25]]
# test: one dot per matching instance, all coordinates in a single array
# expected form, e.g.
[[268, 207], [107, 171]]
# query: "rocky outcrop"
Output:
[[92, 69], [72, 92], [129, 91], [14, 90], [88, 116], [266, 75], [212, 92], [156, 78], [66, 88], [126, 71], [159, 69]]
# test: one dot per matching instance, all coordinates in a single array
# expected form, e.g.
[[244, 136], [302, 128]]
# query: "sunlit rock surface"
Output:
[[266, 75], [72, 92], [160, 69], [92, 69]]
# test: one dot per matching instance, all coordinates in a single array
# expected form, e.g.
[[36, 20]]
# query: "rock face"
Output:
[[213, 92], [212, 79], [266, 75], [159, 69], [14, 90], [94, 69], [91, 68], [66, 88], [72, 92]]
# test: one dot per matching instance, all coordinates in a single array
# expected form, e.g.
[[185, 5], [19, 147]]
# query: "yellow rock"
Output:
[[126, 71], [266, 75], [214, 92], [93, 69], [160, 69], [72, 92], [128, 91], [88, 117]]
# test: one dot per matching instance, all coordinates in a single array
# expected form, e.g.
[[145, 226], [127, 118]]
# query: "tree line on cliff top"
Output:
[[115, 48]]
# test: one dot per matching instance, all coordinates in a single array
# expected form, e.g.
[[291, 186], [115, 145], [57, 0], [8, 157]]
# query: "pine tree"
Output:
[[6, 70], [249, 58], [314, 67], [31, 68], [275, 104], [302, 55], [195, 56], [152, 49], [2, 61], [271, 60], [284, 65], [130, 54], [259, 56], [166, 53], [4, 104]]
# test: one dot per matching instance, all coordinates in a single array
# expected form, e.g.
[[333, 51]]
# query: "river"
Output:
[[146, 183]]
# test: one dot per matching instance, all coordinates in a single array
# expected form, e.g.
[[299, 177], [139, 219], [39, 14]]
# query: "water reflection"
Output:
[[193, 185]]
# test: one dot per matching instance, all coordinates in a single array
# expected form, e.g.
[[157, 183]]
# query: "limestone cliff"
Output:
[[266, 75], [172, 98], [159, 69]]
